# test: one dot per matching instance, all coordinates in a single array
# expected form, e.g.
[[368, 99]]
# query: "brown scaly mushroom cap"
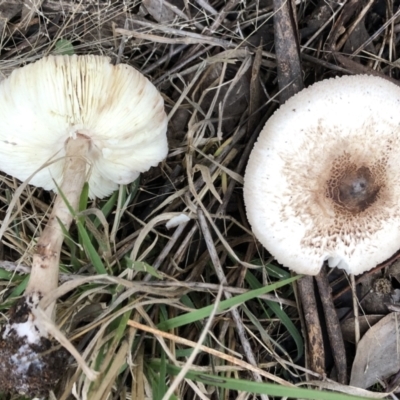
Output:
[[323, 179]]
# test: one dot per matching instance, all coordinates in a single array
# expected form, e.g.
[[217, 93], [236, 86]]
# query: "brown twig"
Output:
[[316, 353], [332, 324], [287, 51]]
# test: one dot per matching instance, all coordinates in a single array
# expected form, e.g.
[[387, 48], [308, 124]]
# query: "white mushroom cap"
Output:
[[323, 179], [49, 101]]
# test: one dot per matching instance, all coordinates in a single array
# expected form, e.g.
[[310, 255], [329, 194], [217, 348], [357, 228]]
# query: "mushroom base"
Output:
[[30, 362]]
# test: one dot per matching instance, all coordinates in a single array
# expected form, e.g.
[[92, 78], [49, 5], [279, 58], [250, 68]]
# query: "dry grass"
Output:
[[215, 65]]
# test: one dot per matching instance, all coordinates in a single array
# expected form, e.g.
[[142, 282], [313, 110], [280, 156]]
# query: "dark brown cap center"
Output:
[[354, 190]]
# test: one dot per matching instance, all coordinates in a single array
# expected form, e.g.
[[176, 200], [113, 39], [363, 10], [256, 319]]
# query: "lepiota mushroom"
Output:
[[63, 121], [323, 180]]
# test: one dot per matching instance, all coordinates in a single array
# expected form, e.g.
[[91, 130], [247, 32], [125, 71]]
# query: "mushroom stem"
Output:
[[45, 265], [30, 362]]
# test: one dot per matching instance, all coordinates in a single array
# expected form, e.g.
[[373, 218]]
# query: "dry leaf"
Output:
[[366, 321], [378, 353], [394, 270], [158, 10]]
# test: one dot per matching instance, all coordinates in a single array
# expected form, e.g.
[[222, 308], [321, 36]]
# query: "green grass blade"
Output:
[[224, 305], [18, 290], [6, 275], [90, 250], [161, 386], [85, 239], [84, 199], [270, 389], [281, 314], [64, 47], [107, 208]]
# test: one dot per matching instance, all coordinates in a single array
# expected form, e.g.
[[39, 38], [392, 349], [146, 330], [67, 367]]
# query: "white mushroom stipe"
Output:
[[47, 102], [177, 220], [323, 179]]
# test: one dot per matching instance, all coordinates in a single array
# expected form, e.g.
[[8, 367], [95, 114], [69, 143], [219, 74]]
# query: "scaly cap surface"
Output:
[[323, 179]]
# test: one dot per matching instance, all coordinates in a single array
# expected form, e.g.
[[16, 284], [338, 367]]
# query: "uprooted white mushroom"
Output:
[[323, 179], [91, 121]]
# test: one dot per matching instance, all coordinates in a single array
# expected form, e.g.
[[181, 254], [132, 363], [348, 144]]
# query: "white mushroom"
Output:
[[45, 104], [323, 179], [92, 121]]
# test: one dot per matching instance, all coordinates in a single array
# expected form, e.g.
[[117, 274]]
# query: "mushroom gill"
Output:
[[323, 180]]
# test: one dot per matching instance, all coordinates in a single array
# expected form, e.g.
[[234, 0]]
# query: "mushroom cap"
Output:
[[323, 179], [45, 103]]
